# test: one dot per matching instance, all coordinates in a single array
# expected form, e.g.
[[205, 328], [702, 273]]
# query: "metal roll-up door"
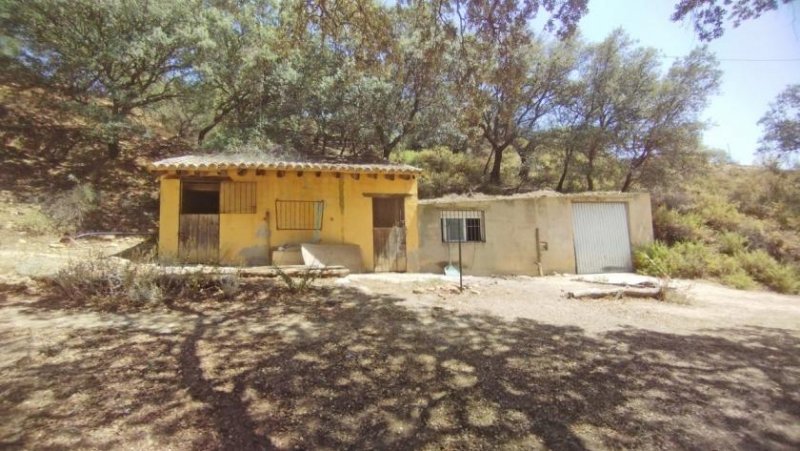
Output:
[[602, 241]]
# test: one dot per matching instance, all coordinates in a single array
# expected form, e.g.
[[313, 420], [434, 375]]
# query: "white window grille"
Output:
[[463, 226]]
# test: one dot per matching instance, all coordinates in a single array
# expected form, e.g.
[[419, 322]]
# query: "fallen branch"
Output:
[[597, 293], [97, 234], [295, 271], [260, 271]]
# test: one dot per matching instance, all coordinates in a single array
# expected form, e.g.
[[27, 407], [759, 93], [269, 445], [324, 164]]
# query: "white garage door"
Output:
[[602, 242]]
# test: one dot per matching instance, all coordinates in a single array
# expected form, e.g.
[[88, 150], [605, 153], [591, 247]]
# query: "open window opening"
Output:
[[199, 198]]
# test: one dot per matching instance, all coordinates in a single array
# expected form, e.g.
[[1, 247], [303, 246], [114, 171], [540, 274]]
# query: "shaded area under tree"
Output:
[[340, 369]]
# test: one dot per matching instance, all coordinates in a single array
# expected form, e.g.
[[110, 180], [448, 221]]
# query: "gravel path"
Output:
[[700, 307]]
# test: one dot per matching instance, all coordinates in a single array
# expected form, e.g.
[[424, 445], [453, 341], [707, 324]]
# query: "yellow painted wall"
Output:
[[510, 226], [168, 219], [245, 239]]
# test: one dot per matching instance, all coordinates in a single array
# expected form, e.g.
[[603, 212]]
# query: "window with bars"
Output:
[[463, 225], [237, 197], [299, 214]]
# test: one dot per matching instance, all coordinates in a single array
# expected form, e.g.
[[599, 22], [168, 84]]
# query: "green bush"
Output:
[[719, 214], [739, 280], [652, 259], [731, 243], [672, 226], [693, 260], [444, 171], [688, 260], [765, 269], [448, 172]]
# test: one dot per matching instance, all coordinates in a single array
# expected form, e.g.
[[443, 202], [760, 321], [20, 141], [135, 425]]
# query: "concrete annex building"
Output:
[[236, 210]]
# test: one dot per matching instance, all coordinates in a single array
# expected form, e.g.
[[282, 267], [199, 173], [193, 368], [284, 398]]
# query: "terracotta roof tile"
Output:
[[216, 162]]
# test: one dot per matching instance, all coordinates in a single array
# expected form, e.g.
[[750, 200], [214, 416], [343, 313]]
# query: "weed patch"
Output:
[[69, 209], [112, 284], [300, 283]]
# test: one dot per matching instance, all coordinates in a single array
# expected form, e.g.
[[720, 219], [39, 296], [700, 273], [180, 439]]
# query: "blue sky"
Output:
[[747, 86]]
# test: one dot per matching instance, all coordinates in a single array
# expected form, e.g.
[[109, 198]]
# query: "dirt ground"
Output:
[[405, 362], [697, 306], [27, 251]]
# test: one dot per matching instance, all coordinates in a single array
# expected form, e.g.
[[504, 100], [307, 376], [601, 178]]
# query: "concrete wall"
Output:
[[510, 226], [245, 239]]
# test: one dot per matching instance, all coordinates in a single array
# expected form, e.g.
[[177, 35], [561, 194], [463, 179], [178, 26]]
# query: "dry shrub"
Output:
[[69, 209], [112, 283], [301, 283], [34, 222]]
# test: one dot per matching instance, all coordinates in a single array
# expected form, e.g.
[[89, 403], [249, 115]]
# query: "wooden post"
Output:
[[460, 269], [539, 253]]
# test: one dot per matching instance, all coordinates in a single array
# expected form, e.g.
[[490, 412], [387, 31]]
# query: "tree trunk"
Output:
[[113, 150], [592, 154], [201, 135], [628, 180], [525, 158], [389, 147], [564, 171], [494, 176]]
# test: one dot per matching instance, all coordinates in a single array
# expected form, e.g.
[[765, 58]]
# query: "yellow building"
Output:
[[234, 210]]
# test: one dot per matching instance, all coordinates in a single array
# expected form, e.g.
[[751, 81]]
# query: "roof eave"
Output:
[[282, 167]]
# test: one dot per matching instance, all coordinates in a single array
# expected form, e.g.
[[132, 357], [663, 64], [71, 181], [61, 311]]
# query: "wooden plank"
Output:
[[389, 249], [389, 234], [198, 241], [381, 257], [396, 248]]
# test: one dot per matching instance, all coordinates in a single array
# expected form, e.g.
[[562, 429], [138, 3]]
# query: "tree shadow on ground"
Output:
[[340, 369]]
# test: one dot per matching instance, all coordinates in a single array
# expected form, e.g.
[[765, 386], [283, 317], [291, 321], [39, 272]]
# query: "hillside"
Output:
[[739, 225], [50, 159], [715, 220]]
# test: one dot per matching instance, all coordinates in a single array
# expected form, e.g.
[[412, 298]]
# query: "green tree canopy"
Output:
[[129, 53], [781, 124]]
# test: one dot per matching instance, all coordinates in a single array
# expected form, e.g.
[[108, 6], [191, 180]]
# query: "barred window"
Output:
[[299, 214], [238, 197], [462, 225]]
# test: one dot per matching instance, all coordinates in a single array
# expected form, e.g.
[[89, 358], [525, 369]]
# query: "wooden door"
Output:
[[198, 238], [389, 234]]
